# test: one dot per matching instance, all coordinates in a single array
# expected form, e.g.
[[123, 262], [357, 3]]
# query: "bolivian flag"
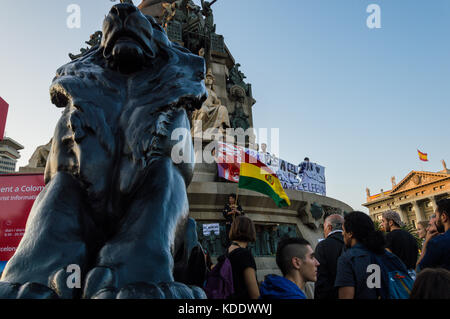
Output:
[[257, 177], [423, 156]]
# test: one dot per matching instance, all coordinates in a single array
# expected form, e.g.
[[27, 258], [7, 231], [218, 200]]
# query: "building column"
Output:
[[420, 216], [403, 214], [433, 203]]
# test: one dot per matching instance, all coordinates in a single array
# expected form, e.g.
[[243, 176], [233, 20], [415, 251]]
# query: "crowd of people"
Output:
[[354, 261]]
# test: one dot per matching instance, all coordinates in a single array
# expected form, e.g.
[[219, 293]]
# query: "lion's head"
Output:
[[128, 39]]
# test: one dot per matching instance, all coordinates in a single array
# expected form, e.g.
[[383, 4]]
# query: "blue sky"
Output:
[[358, 101]]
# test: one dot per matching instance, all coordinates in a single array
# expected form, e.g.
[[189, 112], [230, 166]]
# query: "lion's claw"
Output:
[[97, 280], [140, 291]]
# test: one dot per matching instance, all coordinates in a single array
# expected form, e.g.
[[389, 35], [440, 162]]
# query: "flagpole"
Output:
[[237, 191], [421, 161]]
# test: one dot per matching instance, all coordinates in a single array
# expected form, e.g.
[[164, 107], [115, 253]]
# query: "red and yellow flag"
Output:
[[423, 156], [258, 177]]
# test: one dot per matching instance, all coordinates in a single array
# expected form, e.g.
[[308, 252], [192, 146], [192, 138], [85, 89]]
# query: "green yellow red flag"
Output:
[[258, 177]]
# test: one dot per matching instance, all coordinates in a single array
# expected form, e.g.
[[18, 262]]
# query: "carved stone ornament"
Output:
[[416, 179], [115, 202], [239, 118]]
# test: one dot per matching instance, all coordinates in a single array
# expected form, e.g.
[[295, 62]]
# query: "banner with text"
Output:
[[17, 195], [211, 228], [306, 177]]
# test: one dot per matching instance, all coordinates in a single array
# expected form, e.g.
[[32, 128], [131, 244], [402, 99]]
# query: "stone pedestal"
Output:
[[207, 197]]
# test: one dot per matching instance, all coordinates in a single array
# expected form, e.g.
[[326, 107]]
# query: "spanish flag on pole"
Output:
[[423, 156], [256, 176]]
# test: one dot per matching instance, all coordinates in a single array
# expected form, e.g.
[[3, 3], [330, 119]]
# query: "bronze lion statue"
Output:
[[115, 202]]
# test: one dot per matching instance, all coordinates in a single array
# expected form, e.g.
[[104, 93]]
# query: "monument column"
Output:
[[420, 216]]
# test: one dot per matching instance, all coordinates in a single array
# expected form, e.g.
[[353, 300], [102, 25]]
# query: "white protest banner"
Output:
[[312, 178], [308, 177], [208, 228]]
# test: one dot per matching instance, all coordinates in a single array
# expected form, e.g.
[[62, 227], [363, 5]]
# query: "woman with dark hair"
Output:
[[432, 283], [364, 246], [359, 228], [243, 264]]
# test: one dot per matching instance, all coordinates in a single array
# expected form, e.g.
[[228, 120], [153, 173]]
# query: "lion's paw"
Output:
[[142, 290], [101, 284], [29, 290], [177, 290]]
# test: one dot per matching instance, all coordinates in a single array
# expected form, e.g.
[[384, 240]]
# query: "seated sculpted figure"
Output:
[[212, 113]]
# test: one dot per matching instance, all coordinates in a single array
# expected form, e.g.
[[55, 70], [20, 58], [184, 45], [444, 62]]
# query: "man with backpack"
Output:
[[398, 241], [366, 270]]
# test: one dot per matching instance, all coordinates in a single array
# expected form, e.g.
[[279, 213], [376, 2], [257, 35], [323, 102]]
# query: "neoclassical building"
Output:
[[414, 197], [9, 154]]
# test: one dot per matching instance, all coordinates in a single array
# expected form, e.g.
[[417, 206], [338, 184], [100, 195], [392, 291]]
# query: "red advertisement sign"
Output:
[[17, 195], [3, 114]]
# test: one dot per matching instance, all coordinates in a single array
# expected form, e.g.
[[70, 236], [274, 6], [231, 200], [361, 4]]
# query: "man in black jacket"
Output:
[[399, 241], [327, 253], [231, 210]]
